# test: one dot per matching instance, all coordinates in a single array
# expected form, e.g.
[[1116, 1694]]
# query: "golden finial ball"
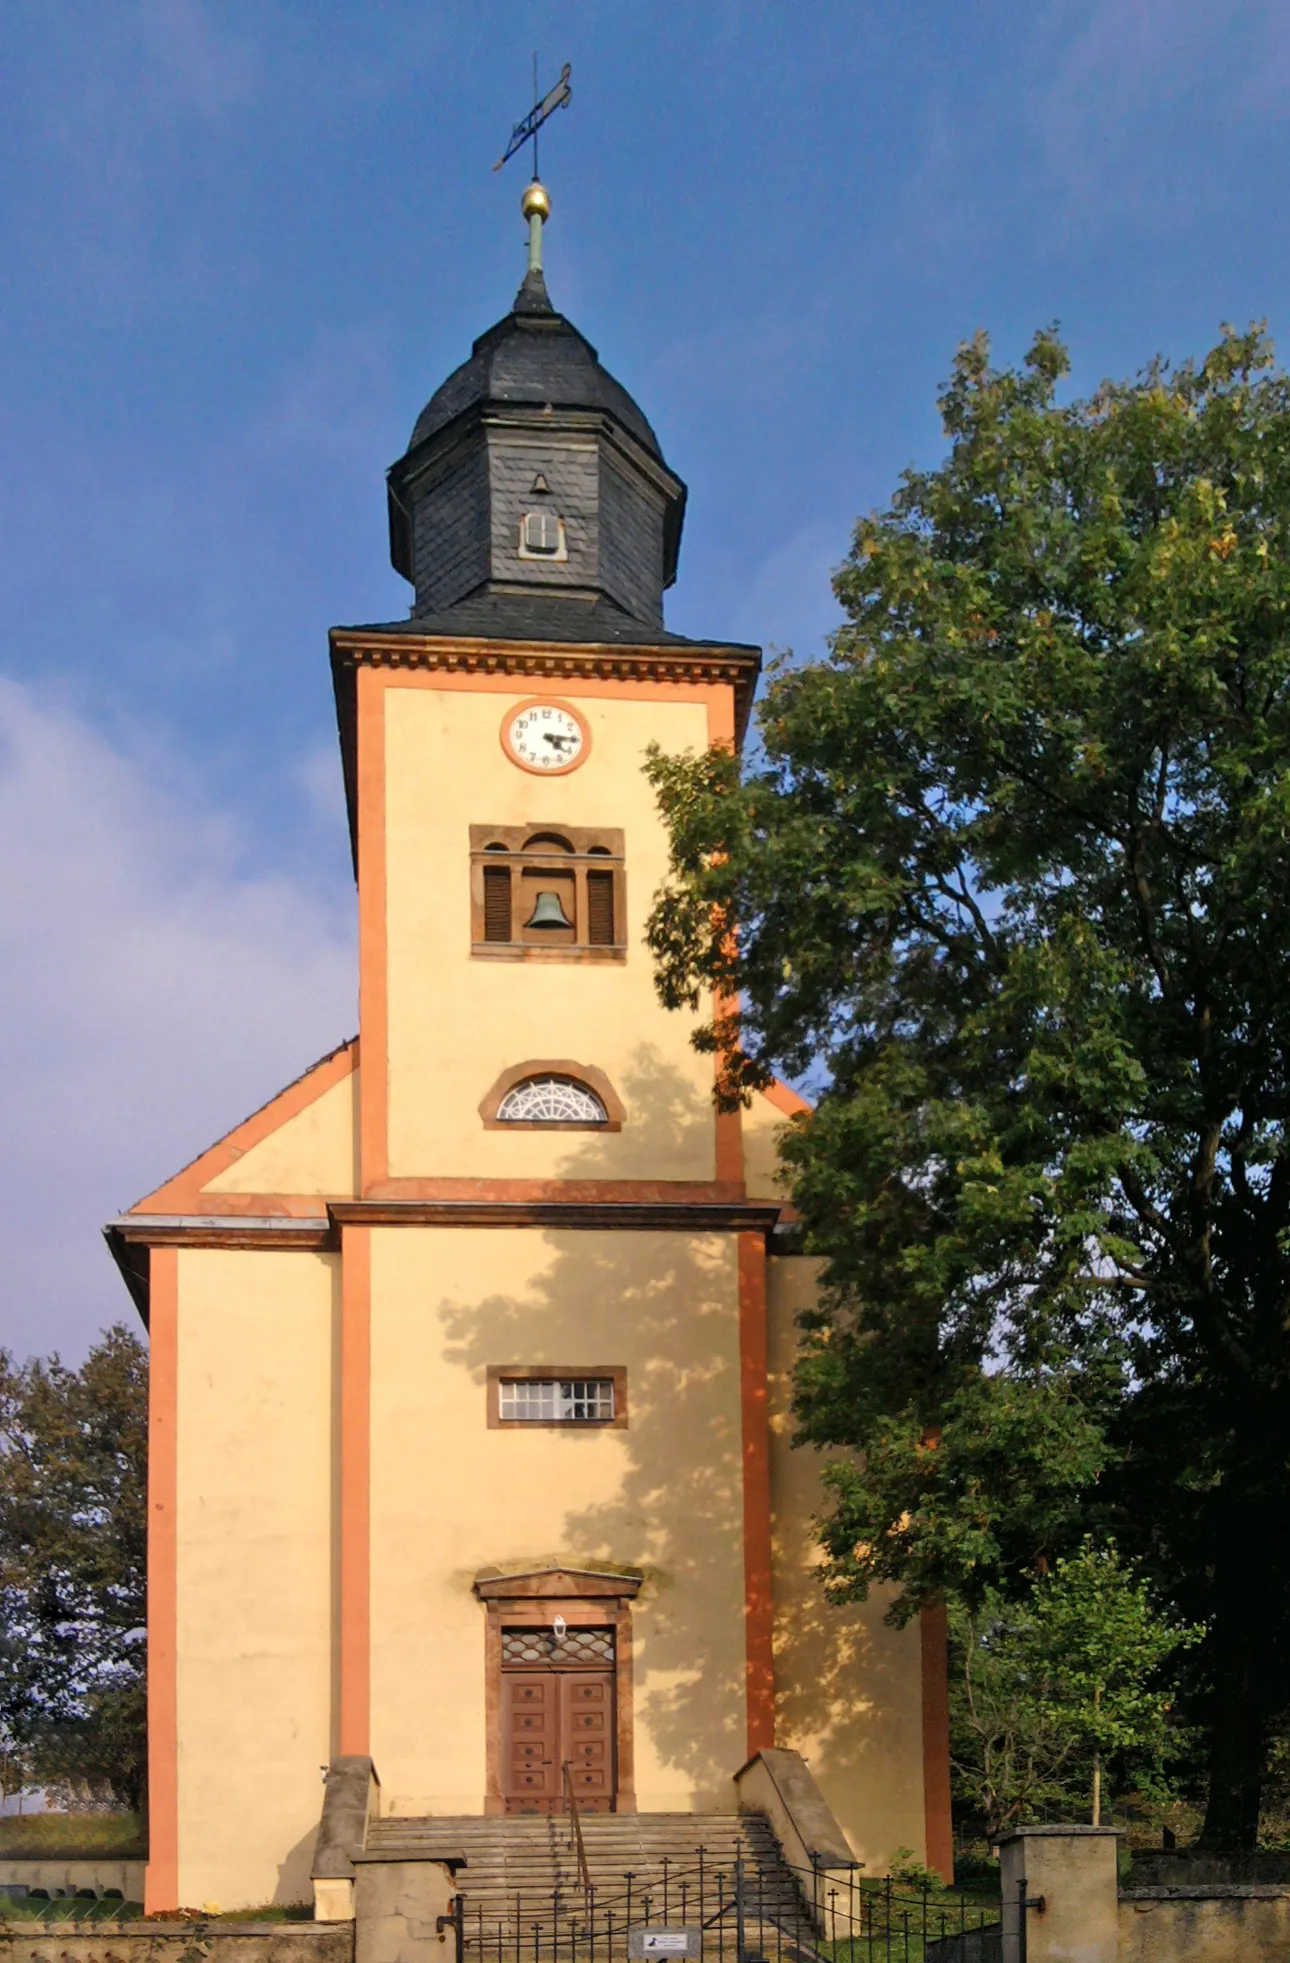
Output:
[[536, 200]]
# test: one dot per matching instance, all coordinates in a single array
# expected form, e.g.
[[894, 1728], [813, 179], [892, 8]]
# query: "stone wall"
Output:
[[1075, 1911], [177, 1942], [1205, 1924]]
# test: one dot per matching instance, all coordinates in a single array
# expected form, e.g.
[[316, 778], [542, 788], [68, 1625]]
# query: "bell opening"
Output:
[[548, 911]]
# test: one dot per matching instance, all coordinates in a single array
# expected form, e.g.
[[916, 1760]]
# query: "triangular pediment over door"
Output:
[[559, 1584]]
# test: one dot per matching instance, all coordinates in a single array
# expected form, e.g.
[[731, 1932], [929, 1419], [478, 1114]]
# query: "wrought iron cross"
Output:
[[527, 130]]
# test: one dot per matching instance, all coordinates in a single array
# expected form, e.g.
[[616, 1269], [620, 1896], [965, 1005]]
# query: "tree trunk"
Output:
[[1239, 1724]]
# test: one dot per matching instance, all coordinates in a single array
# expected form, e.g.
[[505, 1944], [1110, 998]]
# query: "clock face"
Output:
[[546, 737]]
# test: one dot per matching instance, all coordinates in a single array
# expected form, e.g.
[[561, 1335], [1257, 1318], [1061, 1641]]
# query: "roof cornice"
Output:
[[693, 663], [131, 1235], [321, 1230]]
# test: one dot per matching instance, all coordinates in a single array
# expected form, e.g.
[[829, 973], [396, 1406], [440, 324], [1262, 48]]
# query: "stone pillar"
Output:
[[398, 1905], [1070, 1874]]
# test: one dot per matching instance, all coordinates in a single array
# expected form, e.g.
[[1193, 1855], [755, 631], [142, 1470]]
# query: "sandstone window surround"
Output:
[[547, 1396], [539, 893], [552, 1094]]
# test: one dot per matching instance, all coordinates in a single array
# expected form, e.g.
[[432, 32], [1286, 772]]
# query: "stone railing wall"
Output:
[[177, 1942], [1062, 1881]]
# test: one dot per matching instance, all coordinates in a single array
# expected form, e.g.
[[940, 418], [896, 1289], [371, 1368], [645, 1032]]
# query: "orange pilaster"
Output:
[[937, 1823], [373, 950], [161, 1884], [354, 1723], [758, 1604]]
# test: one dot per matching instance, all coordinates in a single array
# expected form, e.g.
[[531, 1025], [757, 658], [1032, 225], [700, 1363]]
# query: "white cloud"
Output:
[[199, 64], [1118, 72], [153, 991], [789, 600]]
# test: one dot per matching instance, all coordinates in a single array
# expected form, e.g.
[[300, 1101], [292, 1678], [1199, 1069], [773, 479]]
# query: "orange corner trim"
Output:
[[937, 1822], [758, 1600], [354, 1715], [373, 946], [161, 1884], [785, 1099]]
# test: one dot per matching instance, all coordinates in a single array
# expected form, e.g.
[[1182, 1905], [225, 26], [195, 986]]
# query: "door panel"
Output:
[[587, 1737], [550, 1716], [530, 1741]]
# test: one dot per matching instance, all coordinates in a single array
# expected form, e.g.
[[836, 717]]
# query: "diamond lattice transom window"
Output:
[[521, 1646], [551, 1101], [556, 1400]]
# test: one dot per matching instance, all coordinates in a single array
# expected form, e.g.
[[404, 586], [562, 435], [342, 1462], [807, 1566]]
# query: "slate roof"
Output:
[[534, 356], [534, 616]]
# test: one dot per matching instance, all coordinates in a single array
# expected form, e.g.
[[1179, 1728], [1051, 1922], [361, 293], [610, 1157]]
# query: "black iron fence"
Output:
[[732, 1912]]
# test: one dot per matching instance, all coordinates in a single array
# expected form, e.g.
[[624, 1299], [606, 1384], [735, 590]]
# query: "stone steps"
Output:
[[524, 1869]]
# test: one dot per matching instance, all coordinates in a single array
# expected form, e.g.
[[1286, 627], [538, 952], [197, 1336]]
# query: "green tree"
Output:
[[1051, 1690], [1011, 876], [73, 1542]]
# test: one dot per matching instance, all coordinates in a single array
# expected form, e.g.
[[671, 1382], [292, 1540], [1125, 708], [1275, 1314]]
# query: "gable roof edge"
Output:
[[179, 1193]]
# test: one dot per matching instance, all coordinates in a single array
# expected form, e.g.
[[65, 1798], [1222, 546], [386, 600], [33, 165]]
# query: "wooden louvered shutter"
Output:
[[497, 903], [600, 909]]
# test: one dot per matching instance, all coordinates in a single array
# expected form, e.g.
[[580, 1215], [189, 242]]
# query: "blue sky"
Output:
[[242, 243]]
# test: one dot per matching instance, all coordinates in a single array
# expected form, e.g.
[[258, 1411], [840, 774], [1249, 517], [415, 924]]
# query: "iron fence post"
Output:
[[739, 1909], [1021, 1920]]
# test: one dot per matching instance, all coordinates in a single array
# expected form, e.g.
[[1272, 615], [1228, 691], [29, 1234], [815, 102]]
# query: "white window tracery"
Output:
[[551, 1101]]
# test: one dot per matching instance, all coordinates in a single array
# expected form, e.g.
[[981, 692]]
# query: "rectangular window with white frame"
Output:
[[546, 1397]]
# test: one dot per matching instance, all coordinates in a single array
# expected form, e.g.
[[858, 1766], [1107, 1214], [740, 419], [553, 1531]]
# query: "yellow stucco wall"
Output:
[[450, 1497], [456, 1022], [761, 1125], [314, 1152], [849, 1688], [254, 1634]]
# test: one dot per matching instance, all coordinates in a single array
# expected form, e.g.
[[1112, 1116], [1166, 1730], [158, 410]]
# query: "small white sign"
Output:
[[642, 1943]]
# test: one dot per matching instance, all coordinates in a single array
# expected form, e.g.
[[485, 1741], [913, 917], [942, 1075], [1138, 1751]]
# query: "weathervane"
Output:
[[535, 204], [556, 98]]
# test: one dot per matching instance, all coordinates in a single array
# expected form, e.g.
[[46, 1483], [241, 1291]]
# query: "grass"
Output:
[[271, 1912], [73, 1836], [894, 1925]]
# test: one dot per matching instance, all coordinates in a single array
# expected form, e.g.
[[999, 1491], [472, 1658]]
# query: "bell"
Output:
[[548, 912]]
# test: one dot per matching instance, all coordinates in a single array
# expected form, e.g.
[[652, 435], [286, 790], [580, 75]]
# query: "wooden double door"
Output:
[[552, 1714]]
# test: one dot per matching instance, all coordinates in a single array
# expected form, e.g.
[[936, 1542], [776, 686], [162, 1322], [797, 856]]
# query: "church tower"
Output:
[[471, 1461]]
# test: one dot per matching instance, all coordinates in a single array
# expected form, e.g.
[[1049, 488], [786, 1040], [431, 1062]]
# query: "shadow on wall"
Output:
[[847, 1698], [668, 1303], [849, 1686], [295, 1873]]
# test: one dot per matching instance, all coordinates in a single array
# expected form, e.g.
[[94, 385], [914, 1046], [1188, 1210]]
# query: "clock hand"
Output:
[[561, 742]]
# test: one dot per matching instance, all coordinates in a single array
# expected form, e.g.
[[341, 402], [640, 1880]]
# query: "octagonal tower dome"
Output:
[[531, 471]]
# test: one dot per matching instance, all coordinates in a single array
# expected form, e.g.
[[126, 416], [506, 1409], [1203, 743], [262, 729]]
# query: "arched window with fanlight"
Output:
[[551, 1101], [546, 893], [552, 1094]]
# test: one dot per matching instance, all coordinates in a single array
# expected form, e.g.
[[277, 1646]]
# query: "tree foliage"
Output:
[[1051, 1690], [1011, 878], [73, 1536]]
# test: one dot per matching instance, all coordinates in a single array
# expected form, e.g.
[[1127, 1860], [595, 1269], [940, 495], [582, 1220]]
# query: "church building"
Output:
[[471, 1349]]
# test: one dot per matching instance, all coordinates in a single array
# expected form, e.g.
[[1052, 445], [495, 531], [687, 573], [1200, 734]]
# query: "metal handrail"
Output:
[[584, 1872], [789, 1915]]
